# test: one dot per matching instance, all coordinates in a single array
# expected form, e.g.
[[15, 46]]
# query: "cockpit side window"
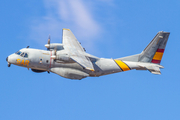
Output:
[[22, 54], [26, 55]]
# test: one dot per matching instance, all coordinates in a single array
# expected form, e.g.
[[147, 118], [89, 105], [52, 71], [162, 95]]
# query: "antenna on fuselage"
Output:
[[27, 47]]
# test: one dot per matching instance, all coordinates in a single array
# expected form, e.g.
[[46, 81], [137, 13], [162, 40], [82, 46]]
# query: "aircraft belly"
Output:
[[66, 65], [69, 73]]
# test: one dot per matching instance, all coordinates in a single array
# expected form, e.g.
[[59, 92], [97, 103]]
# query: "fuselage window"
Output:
[[40, 61]]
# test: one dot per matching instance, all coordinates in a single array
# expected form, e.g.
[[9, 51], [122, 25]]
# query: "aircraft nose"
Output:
[[9, 64], [7, 59]]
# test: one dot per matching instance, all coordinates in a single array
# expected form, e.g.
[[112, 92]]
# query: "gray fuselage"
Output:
[[40, 60]]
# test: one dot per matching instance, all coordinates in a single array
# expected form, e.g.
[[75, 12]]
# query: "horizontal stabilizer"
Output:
[[153, 68], [156, 72]]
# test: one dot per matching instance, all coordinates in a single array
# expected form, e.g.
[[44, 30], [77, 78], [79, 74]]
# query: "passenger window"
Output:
[[40, 61]]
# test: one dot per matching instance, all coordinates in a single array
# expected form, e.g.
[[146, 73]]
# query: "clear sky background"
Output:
[[106, 28]]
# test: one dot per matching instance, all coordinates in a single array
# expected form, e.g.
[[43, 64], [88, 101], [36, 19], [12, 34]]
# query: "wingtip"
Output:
[[66, 29], [90, 69]]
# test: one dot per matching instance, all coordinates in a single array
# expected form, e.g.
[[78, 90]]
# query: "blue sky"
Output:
[[106, 28]]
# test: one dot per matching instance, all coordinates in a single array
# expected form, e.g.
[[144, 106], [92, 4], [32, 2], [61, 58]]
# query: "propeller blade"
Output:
[[48, 44], [55, 50], [49, 38]]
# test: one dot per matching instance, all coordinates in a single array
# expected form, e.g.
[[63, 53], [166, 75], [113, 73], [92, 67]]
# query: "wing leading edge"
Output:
[[75, 50]]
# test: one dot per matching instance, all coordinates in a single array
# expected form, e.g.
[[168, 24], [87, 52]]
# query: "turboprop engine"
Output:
[[62, 57], [56, 47], [52, 46]]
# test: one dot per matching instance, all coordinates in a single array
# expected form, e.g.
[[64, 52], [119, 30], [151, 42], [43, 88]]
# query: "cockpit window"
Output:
[[26, 55], [18, 52], [22, 54]]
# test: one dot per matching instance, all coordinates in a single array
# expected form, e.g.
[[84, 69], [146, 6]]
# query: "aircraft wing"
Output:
[[75, 50]]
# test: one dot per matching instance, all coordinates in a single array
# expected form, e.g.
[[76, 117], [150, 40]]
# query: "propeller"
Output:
[[9, 64], [55, 50], [48, 44]]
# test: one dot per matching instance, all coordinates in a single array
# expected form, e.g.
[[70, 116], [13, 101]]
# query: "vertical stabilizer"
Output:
[[154, 51]]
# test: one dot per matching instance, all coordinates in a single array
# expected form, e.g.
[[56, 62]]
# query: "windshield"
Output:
[[23, 54], [18, 52]]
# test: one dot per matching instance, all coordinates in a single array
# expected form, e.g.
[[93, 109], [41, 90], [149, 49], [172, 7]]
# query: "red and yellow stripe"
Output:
[[158, 56], [122, 65]]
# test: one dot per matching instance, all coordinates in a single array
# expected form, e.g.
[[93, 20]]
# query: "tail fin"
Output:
[[154, 51], [151, 54]]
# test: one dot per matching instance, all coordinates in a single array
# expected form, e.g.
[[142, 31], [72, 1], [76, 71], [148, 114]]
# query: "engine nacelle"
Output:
[[64, 58], [53, 45]]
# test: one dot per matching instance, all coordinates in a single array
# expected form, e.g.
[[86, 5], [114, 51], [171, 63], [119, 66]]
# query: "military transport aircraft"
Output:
[[70, 60]]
